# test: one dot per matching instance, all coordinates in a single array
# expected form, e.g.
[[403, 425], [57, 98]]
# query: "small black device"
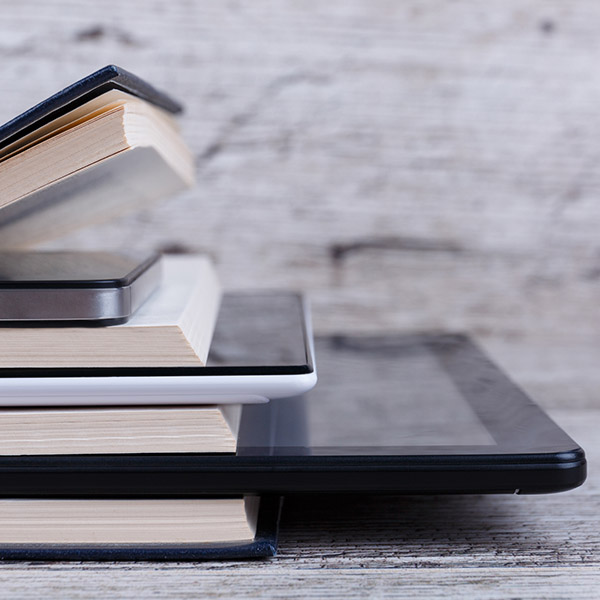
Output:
[[74, 288]]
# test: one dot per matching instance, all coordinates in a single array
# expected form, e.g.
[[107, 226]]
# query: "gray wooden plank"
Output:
[[257, 582], [411, 166], [384, 156]]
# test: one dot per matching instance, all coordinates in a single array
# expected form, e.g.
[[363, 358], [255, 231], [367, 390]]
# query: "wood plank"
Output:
[[181, 581], [410, 166]]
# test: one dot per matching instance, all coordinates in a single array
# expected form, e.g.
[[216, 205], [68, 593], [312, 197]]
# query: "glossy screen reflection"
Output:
[[374, 396], [389, 396], [259, 329]]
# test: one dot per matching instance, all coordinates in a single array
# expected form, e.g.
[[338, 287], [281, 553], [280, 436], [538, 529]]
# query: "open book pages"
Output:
[[112, 154], [173, 328], [127, 521]]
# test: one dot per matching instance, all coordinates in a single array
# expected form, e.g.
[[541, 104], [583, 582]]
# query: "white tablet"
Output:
[[262, 349]]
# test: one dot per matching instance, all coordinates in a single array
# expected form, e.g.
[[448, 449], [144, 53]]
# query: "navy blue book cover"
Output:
[[108, 78]]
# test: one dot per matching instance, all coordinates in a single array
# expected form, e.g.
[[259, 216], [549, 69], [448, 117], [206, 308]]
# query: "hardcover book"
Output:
[[173, 327], [107, 144], [167, 529]]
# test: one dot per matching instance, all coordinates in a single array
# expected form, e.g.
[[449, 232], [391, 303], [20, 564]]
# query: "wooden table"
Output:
[[380, 547]]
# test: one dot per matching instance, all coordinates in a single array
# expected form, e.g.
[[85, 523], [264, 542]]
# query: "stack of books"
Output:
[[104, 145]]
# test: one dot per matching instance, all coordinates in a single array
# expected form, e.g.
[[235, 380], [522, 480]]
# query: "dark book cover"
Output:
[[108, 78]]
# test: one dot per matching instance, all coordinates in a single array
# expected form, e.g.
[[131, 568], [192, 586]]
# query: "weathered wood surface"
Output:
[[381, 547], [412, 165]]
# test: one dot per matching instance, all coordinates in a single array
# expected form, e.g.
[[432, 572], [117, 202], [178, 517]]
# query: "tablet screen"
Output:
[[260, 331], [257, 333], [415, 414], [426, 407], [399, 395]]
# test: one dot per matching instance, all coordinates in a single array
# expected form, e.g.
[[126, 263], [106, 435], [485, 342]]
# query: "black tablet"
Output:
[[394, 414]]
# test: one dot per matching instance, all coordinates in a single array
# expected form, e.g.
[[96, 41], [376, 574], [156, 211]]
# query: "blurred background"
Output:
[[413, 166]]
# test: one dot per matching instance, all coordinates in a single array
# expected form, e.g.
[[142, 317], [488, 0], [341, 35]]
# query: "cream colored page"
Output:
[[78, 115], [109, 521], [181, 275], [74, 117], [111, 187], [114, 431]]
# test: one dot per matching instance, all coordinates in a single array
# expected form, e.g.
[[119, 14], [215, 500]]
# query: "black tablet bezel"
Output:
[[117, 280], [550, 462], [516, 423], [303, 368]]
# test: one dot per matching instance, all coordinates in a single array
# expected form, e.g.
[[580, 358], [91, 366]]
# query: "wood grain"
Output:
[[353, 583], [412, 165]]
